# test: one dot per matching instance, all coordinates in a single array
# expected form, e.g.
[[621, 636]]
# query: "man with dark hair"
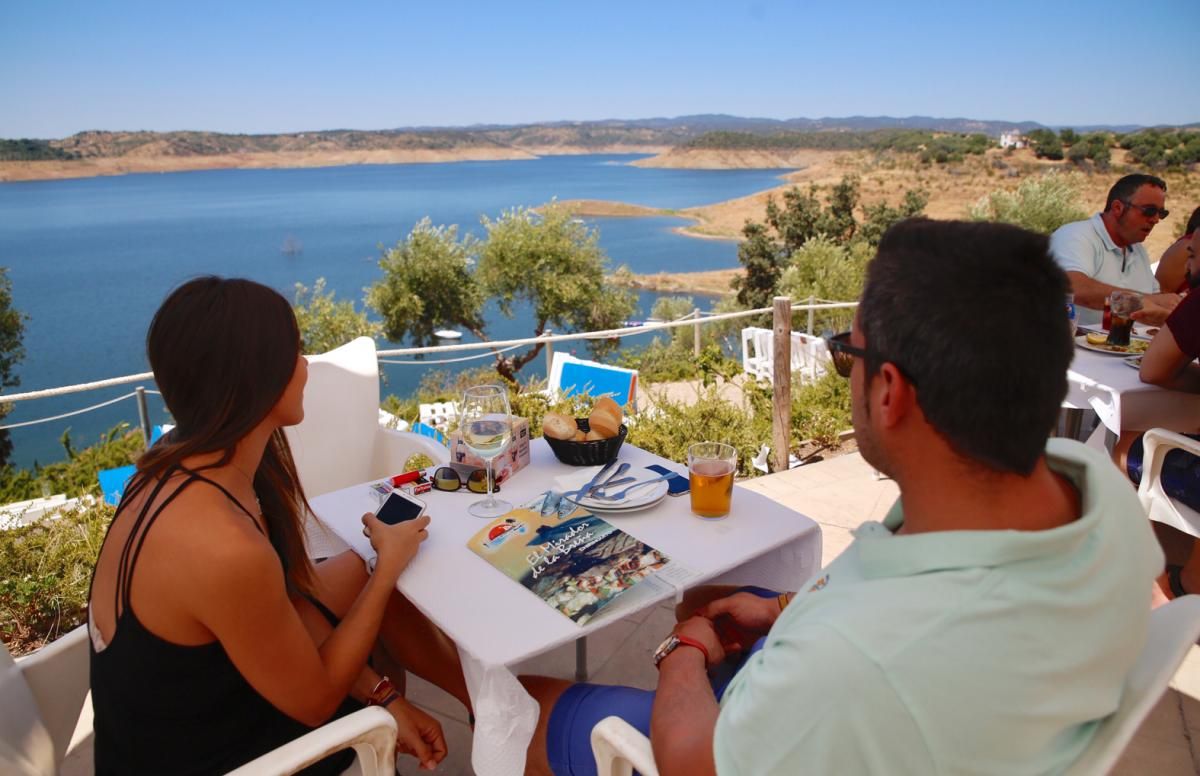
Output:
[[1011, 569], [1105, 252]]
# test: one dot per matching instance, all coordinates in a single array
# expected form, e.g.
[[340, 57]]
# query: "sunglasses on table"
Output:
[[1149, 211], [450, 480]]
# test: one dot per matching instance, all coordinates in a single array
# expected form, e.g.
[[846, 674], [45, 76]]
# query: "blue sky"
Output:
[[276, 66]]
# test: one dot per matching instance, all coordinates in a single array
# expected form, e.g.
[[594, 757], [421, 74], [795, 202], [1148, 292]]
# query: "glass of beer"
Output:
[[1124, 304], [710, 472]]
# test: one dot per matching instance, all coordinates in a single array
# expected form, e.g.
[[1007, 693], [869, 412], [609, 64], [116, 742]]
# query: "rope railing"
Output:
[[696, 318]]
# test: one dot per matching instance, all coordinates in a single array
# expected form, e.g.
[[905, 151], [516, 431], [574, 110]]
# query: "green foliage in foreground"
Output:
[[76, 476], [45, 570], [1040, 204]]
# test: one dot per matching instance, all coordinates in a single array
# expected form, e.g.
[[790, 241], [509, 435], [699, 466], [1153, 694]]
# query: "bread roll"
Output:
[[580, 436], [558, 426], [594, 436], [605, 418]]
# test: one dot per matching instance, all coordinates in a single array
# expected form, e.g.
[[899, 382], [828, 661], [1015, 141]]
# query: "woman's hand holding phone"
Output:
[[395, 545]]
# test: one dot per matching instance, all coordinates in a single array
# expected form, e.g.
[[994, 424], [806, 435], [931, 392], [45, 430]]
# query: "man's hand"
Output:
[[701, 630], [1156, 308], [418, 734], [752, 617]]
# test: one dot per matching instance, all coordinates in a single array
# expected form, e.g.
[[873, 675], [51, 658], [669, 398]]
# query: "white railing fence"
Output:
[[782, 311]]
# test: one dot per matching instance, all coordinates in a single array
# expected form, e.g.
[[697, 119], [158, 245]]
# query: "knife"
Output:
[[592, 483]]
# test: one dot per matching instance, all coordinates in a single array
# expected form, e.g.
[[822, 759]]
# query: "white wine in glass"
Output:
[[486, 426]]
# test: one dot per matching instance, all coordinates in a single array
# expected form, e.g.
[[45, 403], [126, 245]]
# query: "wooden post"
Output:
[[781, 410], [549, 352], [143, 415], [811, 301], [696, 332]]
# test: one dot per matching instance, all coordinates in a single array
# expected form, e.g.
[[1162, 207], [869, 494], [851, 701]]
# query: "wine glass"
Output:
[[486, 428]]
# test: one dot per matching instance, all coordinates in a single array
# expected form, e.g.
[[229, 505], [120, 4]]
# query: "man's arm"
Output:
[[684, 715], [1167, 365], [1090, 292]]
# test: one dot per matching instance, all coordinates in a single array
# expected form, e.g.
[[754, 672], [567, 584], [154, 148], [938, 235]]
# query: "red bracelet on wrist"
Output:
[[383, 693], [688, 640]]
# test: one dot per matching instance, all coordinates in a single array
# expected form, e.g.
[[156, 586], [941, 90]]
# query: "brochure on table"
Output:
[[575, 562]]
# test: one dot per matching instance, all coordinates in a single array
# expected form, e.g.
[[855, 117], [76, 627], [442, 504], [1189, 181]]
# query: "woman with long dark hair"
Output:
[[214, 638]]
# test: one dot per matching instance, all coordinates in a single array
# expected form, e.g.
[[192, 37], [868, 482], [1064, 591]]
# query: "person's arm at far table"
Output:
[[684, 716], [1165, 364], [1091, 293], [1156, 308]]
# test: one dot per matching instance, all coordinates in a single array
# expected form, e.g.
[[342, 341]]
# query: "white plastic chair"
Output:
[[370, 732], [619, 748], [340, 442], [570, 375], [437, 414], [1159, 506], [41, 699], [42, 705], [1174, 628]]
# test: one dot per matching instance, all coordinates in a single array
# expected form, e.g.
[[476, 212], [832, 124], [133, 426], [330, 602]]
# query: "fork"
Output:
[[596, 494]]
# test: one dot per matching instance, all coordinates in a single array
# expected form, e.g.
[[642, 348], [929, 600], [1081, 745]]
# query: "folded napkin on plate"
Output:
[[576, 480]]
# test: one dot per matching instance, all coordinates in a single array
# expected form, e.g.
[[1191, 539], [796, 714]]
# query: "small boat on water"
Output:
[[449, 334]]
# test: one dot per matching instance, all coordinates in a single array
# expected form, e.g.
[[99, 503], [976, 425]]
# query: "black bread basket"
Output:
[[594, 453]]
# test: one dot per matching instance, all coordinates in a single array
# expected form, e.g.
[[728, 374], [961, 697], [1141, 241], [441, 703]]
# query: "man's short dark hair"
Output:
[[1125, 188], [974, 314]]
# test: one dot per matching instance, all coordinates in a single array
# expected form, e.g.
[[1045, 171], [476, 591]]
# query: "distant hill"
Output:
[[650, 133]]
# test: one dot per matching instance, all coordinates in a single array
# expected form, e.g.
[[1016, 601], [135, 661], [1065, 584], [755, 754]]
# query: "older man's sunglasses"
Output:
[[448, 479], [1150, 211]]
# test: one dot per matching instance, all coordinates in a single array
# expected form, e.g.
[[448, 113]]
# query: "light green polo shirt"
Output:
[[983, 652], [1087, 247]]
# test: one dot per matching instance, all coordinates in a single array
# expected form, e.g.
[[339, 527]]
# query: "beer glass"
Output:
[[711, 466]]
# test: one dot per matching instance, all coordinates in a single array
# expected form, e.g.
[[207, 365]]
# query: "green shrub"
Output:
[[821, 409], [45, 572], [77, 475], [674, 425], [1040, 204]]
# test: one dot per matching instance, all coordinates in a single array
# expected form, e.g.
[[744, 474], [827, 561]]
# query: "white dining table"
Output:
[[498, 624], [1111, 387]]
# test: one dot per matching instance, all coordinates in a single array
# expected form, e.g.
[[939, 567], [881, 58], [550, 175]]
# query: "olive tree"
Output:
[[326, 323], [548, 260], [12, 328]]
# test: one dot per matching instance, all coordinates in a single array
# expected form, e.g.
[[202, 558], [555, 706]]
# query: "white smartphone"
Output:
[[399, 507]]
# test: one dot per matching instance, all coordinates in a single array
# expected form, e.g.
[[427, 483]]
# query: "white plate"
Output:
[[1133, 361], [642, 498], [1082, 342]]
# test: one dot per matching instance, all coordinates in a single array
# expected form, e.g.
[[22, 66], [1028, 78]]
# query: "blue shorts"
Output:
[[569, 731]]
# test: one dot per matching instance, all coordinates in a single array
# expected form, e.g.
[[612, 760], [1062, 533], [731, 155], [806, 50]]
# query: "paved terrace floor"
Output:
[[839, 493]]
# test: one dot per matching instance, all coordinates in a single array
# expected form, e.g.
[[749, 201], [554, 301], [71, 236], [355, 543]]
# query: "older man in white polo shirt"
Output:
[[1105, 252]]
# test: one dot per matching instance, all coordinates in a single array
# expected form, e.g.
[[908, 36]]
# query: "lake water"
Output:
[[91, 259]]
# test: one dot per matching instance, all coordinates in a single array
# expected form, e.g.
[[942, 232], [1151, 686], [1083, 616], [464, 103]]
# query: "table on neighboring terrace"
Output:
[[1106, 384], [497, 624]]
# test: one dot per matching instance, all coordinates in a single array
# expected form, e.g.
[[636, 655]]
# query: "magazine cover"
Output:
[[571, 559]]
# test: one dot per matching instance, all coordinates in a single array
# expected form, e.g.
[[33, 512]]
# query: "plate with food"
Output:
[[1099, 344], [1133, 361]]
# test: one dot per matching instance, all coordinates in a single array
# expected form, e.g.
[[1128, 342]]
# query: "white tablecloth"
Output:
[[497, 624], [1106, 384]]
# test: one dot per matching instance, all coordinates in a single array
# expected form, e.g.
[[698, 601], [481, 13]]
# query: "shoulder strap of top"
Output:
[[135, 541]]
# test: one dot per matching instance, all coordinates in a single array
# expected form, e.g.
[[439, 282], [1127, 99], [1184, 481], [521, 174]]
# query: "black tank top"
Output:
[[162, 707]]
